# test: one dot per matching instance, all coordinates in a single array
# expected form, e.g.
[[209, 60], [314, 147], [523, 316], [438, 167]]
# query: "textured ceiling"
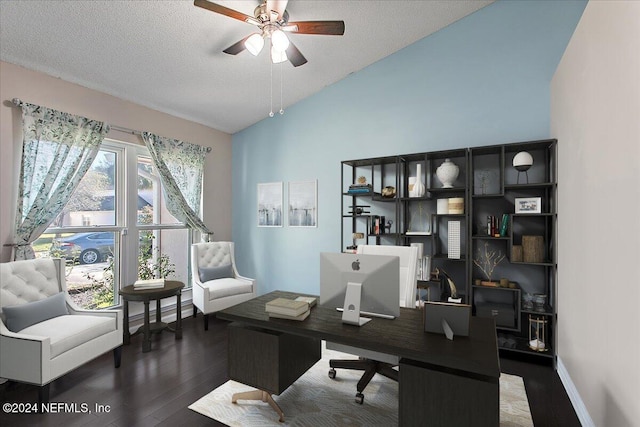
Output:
[[167, 55]]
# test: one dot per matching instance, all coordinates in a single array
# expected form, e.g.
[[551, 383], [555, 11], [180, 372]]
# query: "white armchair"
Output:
[[216, 282], [63, 336]]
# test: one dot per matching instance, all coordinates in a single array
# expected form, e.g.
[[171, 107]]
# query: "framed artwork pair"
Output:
[[302, 208]]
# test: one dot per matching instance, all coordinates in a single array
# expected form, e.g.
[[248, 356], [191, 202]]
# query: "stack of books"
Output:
[[360, 189], [148, 284], [310, 300], [378, 225], [283, 308]]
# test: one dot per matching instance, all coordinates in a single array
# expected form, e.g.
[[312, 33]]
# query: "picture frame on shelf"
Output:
[[303, 204], [269, 210], [528, 205]]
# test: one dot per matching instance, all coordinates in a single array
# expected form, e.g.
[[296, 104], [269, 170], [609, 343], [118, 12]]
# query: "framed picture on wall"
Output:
[[270, 204], [528, 205], [303, 204]]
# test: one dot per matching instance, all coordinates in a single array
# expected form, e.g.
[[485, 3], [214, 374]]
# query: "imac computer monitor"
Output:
[[360, 284]]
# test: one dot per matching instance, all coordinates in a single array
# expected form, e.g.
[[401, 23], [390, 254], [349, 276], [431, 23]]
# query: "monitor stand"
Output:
[[351, 311]]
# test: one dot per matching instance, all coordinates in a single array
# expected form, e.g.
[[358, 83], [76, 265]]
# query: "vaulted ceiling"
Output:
[[167, 55]]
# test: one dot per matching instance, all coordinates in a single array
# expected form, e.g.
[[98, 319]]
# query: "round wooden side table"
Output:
[[129, 293]]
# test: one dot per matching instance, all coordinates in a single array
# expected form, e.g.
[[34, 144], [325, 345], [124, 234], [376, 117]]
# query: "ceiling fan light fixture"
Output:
[[272, 19], [254, 43], [277, 56], [279, 40]]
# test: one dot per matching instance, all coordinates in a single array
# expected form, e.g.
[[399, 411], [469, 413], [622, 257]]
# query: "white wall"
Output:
[[595, 114], [41, 89]]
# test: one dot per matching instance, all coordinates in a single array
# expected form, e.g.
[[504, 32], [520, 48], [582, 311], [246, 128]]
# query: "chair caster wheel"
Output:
[[332, 373], [359, 398]]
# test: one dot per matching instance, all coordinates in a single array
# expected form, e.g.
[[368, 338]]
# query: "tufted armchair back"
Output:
[[214, 254], [30, 280]]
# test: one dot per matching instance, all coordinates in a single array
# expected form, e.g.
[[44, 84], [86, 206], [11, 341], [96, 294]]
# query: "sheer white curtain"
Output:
[[57, 150]]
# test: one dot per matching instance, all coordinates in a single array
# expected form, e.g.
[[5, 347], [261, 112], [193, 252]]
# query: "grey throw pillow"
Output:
[[213, 273], [22, 316]]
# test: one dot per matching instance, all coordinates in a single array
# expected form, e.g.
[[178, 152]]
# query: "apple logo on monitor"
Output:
[[355, 265]]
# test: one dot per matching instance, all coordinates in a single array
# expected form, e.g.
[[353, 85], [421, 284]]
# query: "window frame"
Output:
[[126, 249]]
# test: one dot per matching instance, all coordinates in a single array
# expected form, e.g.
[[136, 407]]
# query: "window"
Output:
[[164, 242], [116, 229]]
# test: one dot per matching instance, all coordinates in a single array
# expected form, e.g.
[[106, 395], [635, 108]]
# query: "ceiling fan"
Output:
[[272, 18]]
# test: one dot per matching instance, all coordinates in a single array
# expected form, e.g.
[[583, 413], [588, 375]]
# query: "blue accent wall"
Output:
[[483, 80]]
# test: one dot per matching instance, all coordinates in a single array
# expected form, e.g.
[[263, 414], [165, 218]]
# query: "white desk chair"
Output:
[[216, 282], [372, 362]]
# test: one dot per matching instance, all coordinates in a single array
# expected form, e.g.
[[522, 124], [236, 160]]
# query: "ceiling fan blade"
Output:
[[333, 28], [278, 6], [213, 7], [295, 56], [236, 48]]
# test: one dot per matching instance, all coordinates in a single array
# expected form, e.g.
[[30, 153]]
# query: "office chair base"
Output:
[[259, 395], [370, 368]]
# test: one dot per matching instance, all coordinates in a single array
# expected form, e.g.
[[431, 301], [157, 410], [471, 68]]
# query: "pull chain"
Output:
[[281, 109], [271, 97]]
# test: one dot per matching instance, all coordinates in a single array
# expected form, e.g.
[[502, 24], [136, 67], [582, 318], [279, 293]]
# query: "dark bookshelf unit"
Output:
[[522, 203]]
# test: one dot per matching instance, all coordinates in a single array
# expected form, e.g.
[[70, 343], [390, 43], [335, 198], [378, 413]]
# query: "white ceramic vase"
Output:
[[447, 173], [418, 185]]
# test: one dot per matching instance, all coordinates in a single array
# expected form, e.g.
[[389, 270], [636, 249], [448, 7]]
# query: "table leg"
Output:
[[178, 316], [158, 315], [146, 338], [127, 335]]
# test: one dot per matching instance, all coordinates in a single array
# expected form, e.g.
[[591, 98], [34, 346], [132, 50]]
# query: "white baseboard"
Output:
[[574, 396]]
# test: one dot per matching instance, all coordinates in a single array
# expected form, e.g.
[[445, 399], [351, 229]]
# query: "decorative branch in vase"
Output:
[[487, 261]]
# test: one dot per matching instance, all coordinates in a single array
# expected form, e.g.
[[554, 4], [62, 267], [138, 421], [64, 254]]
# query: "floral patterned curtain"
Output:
[[181, 167], [57, 150]]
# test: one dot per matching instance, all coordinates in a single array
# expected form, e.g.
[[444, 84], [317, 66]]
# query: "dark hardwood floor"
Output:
[[155, 388]]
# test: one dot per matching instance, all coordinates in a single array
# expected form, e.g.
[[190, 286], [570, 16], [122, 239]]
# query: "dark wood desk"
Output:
[[442, 382], [128, 293]]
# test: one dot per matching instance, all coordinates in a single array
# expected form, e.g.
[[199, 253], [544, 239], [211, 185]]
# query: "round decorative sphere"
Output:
[[522, 161], [447, 173]]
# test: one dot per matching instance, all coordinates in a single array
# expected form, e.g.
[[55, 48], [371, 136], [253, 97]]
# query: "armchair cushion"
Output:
[[19, 317], [213, 273], [228, 287], [68, 332]]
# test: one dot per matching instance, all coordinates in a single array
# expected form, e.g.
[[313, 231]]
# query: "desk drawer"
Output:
[[440, 397], [269, 360]]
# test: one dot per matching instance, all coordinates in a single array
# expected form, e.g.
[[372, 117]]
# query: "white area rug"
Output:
[[315, 400]]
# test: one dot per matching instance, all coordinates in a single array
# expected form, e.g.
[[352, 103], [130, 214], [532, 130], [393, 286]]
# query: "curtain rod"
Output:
[[18, 103]]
